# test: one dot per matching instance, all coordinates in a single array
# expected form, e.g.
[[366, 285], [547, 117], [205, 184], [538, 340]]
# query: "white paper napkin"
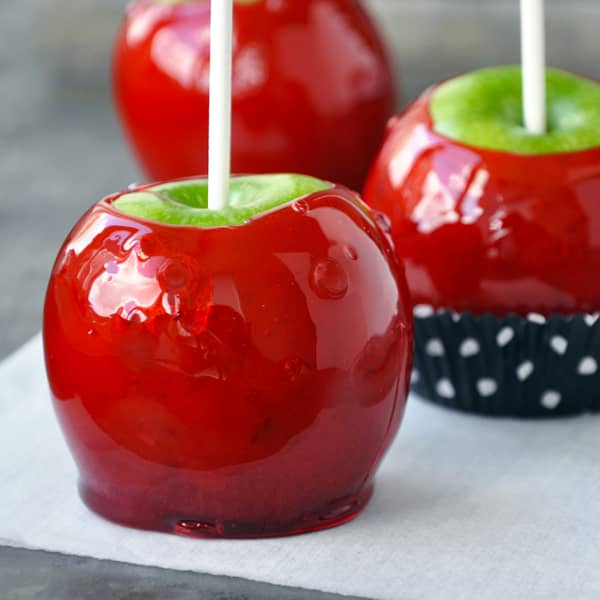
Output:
[[465, 508]]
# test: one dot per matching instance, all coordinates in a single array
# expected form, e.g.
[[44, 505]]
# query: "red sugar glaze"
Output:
[[489, 231], [234, 381], [312, 88]]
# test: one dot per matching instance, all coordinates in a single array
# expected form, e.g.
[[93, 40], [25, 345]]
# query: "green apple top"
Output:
[[484, 109], [186, 202]]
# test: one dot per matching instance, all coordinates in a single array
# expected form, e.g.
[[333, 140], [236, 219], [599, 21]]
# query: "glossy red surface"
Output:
[[234, 382], [489, 231], [312, 88]]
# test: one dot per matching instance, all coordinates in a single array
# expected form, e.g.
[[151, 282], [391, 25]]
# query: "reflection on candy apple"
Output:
[[312, 87], [235, 373], [487, 217]]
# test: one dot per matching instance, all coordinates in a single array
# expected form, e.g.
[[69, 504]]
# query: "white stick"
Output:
[[219, 129], [533, 57]]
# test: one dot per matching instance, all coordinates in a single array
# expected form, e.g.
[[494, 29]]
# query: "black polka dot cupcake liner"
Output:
[[532, 366]]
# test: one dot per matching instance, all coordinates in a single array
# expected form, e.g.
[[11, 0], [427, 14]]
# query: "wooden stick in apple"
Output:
[[219, 133], [533, 57]]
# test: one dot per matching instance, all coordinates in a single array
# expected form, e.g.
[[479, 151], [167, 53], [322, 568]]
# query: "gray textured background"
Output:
[[61, 151], [61, 148]]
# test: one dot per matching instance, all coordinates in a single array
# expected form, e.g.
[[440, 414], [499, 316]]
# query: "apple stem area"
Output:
[[533, 57], [219, 134]]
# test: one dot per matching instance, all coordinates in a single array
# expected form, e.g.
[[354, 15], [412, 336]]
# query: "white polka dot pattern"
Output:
[[423, 311], [587, 366], [487, 387], [445, 389], [559, 344], [524, 370], [533, 365], [551, 399], [536, 318], [470, 347], [435, 347], [505, 336]]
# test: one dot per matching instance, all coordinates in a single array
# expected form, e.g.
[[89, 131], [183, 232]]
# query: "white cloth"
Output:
[[465, 508]]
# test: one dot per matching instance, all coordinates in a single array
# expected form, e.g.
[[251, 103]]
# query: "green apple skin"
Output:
[[185, 202], [484, 109]]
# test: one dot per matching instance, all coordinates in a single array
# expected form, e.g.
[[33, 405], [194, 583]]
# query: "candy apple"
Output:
[[312, 87], [500, 233], [486, 216], [233, 373]]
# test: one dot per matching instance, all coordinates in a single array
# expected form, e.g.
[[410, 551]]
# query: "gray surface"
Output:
[[61, 145], [61, 151], [26, 575]]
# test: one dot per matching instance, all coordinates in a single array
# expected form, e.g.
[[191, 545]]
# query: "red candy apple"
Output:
[[228, 373], [312, 87], [487, 217]]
